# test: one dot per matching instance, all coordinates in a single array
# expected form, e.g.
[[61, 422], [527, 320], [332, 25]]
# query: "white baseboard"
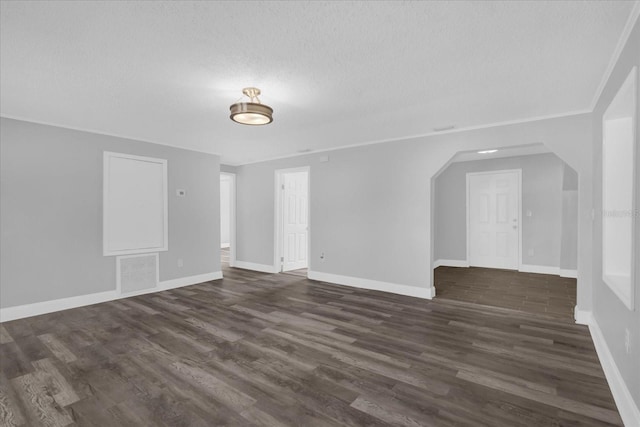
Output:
[[189, 280], [264, 268], [573, 274], [540, 269], [44, 307], [524, 268], [225, 245], [357, 282], [582, 317], [450, 263], [624, 401]]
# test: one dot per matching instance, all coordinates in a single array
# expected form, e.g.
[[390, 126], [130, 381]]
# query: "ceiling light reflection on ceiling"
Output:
[[487, 151], [252, 113]]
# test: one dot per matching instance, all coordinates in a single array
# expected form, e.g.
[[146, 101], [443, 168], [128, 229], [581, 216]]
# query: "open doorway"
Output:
[[292, 220], [227, 219], [505, 231]]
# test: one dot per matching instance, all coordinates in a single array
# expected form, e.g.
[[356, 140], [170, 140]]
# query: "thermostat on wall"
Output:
[[181, 193]]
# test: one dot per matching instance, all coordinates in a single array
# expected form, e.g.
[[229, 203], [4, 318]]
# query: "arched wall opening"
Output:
[[538, 231], [569, 138]]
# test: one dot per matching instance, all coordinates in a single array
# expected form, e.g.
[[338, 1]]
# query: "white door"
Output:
[[493, 201], [295, 227]]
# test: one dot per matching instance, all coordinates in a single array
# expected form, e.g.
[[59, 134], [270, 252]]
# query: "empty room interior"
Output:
[[319, 213]]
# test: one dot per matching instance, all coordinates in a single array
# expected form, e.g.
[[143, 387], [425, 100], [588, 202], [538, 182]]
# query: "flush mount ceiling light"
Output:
[[487, 151], [253, 112]]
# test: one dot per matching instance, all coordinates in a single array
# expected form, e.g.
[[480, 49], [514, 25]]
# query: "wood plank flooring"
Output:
[[281, 350], [542, 294]]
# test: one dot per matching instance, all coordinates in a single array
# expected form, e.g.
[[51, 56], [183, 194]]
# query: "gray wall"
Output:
[[370, 206], [569, 238], [611, 314], [542, 180], [569, 242], [51, 212]]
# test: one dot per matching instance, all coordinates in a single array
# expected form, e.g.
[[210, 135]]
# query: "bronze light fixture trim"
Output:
[[252, 113]]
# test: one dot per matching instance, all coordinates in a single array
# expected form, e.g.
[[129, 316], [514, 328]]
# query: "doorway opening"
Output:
[[505, 231], [227, 219], [292, 221]]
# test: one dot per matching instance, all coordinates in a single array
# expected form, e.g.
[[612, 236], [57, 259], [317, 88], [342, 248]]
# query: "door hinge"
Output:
[[281, 259], [283, 186]]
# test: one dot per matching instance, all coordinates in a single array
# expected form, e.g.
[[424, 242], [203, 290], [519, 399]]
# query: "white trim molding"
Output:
[[189, 280], [450, 263], [416, 135], [524, 268], [357, 282], [44, 307], [624, 401], [572, 274], [622, 41], [263, 268], [99, 132], [583, 317], [539, 269]]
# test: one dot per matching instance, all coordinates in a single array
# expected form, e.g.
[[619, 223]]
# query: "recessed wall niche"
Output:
[[618, 180]]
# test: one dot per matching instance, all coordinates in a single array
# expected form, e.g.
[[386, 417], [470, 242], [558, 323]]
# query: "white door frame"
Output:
[[468, 195], [279, 216], [232, 217]]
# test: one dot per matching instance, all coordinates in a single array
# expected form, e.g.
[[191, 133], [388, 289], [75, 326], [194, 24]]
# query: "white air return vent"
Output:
[[136, 273]]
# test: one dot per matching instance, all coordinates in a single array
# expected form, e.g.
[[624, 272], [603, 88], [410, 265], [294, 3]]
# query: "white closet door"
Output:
[[296, 220]]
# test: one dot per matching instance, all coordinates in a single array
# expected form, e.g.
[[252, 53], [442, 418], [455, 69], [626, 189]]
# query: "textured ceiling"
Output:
[[336, 73]]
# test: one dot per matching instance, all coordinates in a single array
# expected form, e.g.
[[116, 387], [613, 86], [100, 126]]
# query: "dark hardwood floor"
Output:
[[542, 294], [281, 350]]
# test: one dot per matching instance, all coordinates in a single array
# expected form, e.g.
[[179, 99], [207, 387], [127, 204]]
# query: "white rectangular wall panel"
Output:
[[135, 204], [618, 201]]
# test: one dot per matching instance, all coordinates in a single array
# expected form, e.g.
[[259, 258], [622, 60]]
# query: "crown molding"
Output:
[[622, 41], [114, 135]]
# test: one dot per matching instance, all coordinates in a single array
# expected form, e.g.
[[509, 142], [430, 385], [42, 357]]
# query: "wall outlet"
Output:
[[530, 252], [180, 263], [627, 340]]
